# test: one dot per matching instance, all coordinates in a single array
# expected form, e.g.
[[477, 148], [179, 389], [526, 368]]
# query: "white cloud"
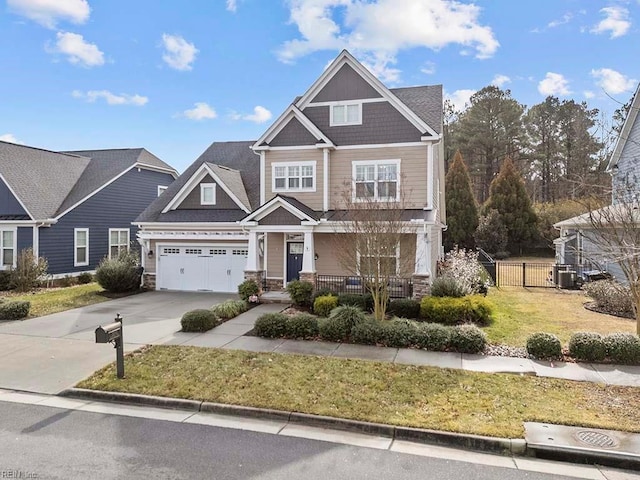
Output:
[[566, 18], [588, 94], [499, 80], [111, 98], [554, 84], [49, 12], [11, 138], [178, 53], [460, 98], [232, 5], [377, 30], [200, 111], [259, 115], [612, 82], [616, 20], [77, 50], [429, 68]]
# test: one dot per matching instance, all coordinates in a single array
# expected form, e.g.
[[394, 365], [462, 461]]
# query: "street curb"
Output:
[[504, 446]]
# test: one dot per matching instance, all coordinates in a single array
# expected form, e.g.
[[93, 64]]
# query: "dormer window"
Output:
[[207, 194], [346, 114]]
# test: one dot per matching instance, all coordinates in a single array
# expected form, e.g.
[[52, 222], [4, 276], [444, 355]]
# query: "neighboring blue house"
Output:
[[74, 208], [579, 243]]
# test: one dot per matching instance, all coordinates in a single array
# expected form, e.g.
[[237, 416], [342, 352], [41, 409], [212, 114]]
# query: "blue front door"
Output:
[[294, 260]]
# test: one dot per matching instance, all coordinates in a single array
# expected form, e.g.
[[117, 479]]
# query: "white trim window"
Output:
[[80, 247], [119, 239], [207, 194], [376, 262], [161, 188], [345, 114], [8, 246], [294, 176], [376, 180]]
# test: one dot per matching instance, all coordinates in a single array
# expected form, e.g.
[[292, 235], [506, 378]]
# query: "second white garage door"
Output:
[[201, 268]]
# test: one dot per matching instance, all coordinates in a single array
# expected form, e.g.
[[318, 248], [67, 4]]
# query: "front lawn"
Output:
[[519, 312], [54, 300], [425, 397]]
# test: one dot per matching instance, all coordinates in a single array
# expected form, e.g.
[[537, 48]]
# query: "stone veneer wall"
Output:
[[149, 281], [421, 286]]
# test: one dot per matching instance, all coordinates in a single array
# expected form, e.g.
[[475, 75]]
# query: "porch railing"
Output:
[[399, 287]]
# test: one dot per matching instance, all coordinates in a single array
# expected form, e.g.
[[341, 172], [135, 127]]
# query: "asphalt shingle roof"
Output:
[[424, 101], [233, 180]]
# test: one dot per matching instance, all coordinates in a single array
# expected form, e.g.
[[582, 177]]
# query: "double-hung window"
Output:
[[81, 247], [294, 177], [118, 241], [376, 180], [7, 249], [346, 114]]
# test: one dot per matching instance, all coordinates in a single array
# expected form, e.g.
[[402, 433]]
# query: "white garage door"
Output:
[[201, 268]]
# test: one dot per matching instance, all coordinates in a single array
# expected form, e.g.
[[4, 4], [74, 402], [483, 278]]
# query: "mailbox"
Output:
[[109, 333]]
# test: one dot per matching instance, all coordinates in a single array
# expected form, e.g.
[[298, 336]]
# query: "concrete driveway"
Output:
[[51, 353]]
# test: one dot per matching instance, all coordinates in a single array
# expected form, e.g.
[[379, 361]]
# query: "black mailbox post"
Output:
[[112, 333]]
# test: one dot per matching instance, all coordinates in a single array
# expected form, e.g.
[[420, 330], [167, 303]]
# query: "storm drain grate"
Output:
[[596, 439]]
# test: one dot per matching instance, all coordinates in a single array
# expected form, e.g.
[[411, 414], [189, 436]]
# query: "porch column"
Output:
[[252, 255], [422, 276], [308, 254]]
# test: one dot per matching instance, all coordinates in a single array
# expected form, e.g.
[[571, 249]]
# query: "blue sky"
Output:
[[175, 76]]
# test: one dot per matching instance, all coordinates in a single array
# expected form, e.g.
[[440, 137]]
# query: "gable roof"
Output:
[[290, 113], [626, 130], [236, 156], [292, 205], [425, 101]]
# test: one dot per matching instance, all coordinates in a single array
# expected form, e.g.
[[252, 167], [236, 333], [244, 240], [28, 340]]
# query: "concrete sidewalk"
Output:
[[230, 335]]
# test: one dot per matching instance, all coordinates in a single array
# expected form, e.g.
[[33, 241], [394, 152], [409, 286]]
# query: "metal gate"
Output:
[[525, 274]]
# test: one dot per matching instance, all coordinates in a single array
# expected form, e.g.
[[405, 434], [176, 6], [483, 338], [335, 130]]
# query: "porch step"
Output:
[[275, 297]]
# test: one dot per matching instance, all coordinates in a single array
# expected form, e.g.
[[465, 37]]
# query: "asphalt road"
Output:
[[43, 442]]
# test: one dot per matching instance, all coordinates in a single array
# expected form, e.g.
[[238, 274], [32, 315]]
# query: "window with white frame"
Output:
[[376, 180], [345, 114], [378, 261], [294, 177], [7, 249], [161, 188], [118, 241], [81, 247], [207, 194]]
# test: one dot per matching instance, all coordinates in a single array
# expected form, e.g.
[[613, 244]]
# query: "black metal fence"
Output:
[[541, 274], [399, 287]]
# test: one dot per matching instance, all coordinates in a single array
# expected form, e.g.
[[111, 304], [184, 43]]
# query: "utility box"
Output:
[[567, 279]]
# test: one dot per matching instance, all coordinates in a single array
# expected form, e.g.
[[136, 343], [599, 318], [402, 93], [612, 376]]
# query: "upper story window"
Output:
[[207, 194], [118, 241], [376, 180], [7, 249], [294, 177], [345, 114], [161, 188]]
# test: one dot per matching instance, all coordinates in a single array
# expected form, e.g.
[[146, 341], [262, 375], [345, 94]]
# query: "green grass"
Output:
[[519, 312], [48, 301], [426, 397]]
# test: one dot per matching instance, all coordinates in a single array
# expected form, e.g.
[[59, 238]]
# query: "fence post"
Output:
[[524, 274]]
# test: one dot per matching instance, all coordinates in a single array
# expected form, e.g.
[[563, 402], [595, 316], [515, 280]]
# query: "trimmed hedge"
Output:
[[468, 339], [447, 287], [271, 325], [404, 307], [323, 305], [199, 320], [455, 311], [338, 326], [434, 337], [14, 310], [362, 301], [84, 278], [247, 289], [587, 346], [623, 348], [230, 308], [302, 326], [544, 346], [369, 332], [120, 274], [300, 292]]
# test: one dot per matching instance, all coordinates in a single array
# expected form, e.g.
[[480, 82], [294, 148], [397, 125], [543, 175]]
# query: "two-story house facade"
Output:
[[280, 200]]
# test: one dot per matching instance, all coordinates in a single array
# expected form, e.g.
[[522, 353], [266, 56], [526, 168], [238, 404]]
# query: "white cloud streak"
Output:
[[232, 5], [49, 12], [259, 115], [111, 98], [10, 138], [616, 22], [612, 81], [554, 84], [200, 111], [178, 53], [500, 80], [77, 50], [460, 98]]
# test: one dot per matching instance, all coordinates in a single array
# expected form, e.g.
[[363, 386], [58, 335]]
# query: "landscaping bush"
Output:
[[247, 289], [433, 336], [323, 305], [399, 333], [544, 346], [302, 325], [340, 323], [468, 339], [355, 300], [323, 292], [199, 320], [271, 325], [611, 297], [587, 346], [119, 274], [623, 348], [454, 311], [404, 307], [230, 309], [84, 278], [66, 281], [28, 272], [14, 310], [463, 266], [368, 332], [300, 292], [447, 287], [5, 280]]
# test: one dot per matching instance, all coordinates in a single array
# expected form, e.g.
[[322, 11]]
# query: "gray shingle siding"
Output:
[[294, 133], [116, 206], [627, 178], [381, 123], [346, 84], [25, 238], [9, 205]]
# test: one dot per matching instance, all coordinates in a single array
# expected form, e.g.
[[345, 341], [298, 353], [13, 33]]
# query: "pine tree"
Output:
[[462, 211], [509, 197]]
